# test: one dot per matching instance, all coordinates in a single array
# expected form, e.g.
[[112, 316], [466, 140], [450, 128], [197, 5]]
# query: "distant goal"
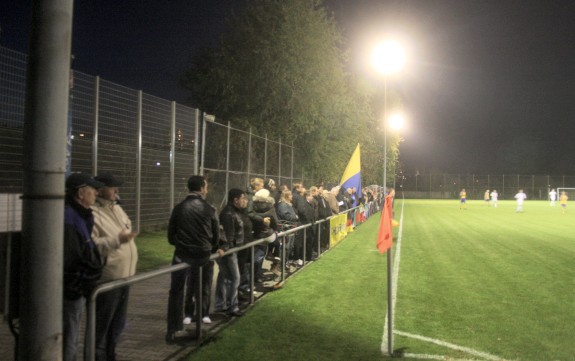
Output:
[[569, 191]]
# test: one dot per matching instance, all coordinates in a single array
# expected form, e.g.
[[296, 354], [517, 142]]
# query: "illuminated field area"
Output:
[[478, 284]]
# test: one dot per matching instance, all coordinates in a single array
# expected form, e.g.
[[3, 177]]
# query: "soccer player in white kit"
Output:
[[553, 197], [521, 197], [494, 196]]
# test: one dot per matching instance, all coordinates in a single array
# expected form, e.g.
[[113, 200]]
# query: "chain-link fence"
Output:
[[448, 186], [232, 157], [153, 144]]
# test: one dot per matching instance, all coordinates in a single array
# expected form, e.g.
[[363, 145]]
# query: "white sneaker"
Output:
[[299, 262], [206, 319], [187, 321]]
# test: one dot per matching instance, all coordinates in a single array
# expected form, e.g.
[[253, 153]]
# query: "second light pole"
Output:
[[387, 57]]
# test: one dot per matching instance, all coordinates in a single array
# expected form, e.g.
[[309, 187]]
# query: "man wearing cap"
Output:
[[114, 237], [82, 261]]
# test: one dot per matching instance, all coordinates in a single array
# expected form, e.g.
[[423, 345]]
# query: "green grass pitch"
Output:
[[489, 280]]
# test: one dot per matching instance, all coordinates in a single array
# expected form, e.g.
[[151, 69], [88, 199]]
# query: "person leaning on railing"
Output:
[[114, 237], [310, 217], [82, 261], [229, 275], [323, 212], [299, 204], [331, 198], [194, 231], [287, 214], [264, 206]]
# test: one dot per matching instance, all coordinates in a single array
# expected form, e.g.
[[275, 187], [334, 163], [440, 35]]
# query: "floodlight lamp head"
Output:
[[388, 57], [396, 121]]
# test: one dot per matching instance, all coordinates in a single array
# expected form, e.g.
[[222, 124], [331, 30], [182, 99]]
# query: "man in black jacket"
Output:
[[194, 231]]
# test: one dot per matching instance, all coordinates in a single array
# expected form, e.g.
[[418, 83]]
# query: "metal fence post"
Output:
[[173, 155], [139, 162], [204, 124], [249, 153], [199, 302], [266, 157], [304, 244], [319, 226], [280, 160], [96, 125], [252, 273], [228, 157], [196, 136], [291, 175]]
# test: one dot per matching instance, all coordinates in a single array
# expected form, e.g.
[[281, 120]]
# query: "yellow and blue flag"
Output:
[[352, 174]]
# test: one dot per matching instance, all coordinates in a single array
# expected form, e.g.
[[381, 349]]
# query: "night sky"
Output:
[[487, 87]]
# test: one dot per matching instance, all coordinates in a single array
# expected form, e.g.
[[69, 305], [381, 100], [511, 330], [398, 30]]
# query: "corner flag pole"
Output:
[[389, 306], [384, 244]]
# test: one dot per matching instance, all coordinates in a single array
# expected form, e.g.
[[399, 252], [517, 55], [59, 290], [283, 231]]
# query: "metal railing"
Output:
[[109, 286]]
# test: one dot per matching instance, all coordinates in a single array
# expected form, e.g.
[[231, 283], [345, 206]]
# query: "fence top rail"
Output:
[[252, 134], [108, 286]]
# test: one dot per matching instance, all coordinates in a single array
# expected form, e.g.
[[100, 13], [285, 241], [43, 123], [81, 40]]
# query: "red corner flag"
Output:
[[385, 235]]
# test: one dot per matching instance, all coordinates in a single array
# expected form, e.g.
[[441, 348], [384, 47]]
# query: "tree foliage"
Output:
[[280, 69]]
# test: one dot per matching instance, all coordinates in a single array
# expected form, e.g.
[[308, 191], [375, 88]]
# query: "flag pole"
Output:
[[389, 306], [385, 243]]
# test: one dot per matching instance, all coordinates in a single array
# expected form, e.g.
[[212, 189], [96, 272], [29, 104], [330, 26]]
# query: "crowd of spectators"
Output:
[[259, 213], [196, 230]]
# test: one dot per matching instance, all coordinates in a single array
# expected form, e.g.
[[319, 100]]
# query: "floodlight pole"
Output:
[[389, 261], [387, 58], [384, 134], [389, 285]]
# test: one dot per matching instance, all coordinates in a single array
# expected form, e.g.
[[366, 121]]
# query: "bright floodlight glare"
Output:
[[388, 57], [396, 121]]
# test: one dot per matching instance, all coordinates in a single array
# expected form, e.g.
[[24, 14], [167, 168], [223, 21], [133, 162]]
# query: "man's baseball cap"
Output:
[[79, 180], [109, 180]]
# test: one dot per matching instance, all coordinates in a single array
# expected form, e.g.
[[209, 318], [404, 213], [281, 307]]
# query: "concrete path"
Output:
[[143, 338]]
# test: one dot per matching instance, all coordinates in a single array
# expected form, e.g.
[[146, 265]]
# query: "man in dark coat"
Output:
[[194, 231]]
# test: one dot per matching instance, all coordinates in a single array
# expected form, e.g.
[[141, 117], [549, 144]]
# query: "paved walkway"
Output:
[[143, 338]]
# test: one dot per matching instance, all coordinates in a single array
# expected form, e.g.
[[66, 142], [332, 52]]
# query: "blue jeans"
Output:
[[176, 297], [71, 315], [227, 283], [259, 254], [111, 314]]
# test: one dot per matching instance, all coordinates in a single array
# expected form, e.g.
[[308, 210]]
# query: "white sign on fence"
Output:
[[10, 212]]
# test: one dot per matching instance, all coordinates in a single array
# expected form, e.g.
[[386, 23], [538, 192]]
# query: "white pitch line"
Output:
[[436, 357], [452, 346], [394, 278], [394, 282]]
